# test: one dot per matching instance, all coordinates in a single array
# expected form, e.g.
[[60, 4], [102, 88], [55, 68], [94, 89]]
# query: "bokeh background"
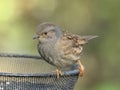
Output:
[[19, 18]]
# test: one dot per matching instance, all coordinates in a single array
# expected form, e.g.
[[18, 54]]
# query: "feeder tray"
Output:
[[25, 72]]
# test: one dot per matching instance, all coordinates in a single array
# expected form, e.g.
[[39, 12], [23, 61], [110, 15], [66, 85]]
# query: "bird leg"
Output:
[[58, 72], [81, 68]]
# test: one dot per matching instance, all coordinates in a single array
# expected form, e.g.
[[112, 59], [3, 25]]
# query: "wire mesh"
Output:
[[14, 77]]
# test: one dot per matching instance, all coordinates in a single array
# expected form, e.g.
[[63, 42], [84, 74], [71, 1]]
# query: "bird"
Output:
[[60, 48]]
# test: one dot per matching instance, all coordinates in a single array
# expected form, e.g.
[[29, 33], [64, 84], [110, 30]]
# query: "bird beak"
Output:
[[35, 36]]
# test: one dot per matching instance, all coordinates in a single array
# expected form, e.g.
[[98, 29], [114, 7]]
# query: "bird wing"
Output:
[[77, 39], [71, 45]]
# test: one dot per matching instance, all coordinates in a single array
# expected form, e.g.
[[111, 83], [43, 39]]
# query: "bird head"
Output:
[[46, 32]]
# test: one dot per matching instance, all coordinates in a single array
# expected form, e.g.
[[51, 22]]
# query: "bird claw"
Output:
[[81, 69], [58, 73]]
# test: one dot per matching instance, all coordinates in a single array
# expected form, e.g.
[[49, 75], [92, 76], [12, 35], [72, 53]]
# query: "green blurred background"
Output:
[[19, 18]]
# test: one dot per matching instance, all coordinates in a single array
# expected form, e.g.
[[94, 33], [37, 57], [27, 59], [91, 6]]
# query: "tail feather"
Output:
[[89, 37], [84, 39]]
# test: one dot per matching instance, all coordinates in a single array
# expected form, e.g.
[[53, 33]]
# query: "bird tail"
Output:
[[89, 37], [84, 39]]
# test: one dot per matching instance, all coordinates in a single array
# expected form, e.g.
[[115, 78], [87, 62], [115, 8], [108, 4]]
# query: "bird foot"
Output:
[[81, 69], [58, 73]]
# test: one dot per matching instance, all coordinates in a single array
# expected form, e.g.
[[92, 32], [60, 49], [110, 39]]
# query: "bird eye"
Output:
[[45, 33]]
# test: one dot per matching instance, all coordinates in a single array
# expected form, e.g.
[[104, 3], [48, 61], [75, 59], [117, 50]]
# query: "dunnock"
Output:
[[60, 48]]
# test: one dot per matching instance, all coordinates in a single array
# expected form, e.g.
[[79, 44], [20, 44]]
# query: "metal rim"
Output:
[[66, 73]]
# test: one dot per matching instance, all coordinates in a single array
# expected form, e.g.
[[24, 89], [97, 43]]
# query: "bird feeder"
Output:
[[28, 72]]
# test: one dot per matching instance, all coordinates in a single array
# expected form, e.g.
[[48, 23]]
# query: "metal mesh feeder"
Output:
[[24, 72]]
